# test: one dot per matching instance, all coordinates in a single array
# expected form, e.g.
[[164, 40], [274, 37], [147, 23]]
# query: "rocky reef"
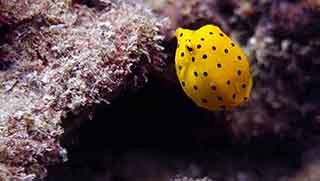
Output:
[[102, 72], [58, 60]]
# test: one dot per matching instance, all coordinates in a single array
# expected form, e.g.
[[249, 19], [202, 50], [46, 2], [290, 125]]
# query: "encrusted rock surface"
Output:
[[285, 64], [58, 60]]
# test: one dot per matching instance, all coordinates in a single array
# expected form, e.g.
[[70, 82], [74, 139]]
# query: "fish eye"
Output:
[[189, 49]]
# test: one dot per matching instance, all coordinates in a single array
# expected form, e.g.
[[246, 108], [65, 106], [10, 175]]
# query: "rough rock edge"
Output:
[[284, 63], [59, 64]]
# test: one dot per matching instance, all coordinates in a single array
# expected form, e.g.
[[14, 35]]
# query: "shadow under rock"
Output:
[[153, 135]]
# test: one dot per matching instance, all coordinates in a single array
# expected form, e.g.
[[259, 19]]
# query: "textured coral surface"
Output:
[[56, 66]]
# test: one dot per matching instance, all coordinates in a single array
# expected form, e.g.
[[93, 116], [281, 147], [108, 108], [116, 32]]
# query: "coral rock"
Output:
[[56, 66]]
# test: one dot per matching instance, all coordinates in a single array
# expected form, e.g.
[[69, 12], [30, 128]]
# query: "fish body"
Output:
[[212, 69]]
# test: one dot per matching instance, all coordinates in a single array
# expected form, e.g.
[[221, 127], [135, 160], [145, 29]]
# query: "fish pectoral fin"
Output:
[[236, 87]]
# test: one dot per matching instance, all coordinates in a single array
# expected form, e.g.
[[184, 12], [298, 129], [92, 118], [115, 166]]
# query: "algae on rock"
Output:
[[58, 60]]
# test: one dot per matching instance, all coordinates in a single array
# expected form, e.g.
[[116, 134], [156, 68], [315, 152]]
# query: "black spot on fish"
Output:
[[204, 56]]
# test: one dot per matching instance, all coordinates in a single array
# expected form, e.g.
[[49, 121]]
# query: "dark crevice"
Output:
[[161, 124], [4, 64], [97, 4]]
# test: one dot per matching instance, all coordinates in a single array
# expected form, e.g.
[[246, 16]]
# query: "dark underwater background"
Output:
[[88, 91]]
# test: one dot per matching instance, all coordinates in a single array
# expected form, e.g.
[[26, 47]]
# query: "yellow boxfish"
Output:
[[212, 69]]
